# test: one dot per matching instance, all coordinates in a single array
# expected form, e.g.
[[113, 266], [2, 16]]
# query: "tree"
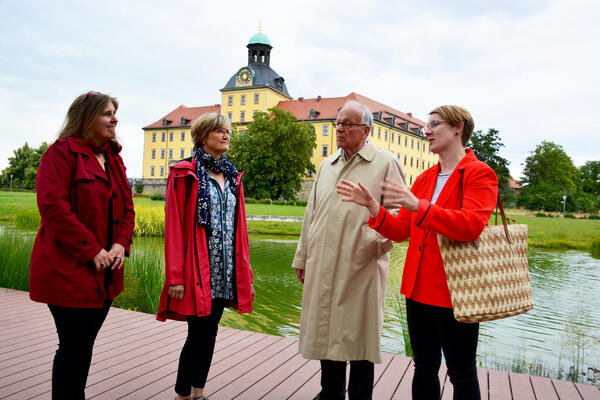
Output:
[[486, 147], [549, 174], [23, 166], [275, 153], [589, 174]]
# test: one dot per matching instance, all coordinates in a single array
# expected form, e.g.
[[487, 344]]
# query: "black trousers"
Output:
[[433, 330], [77, 329], [333, 380], [197, 352]]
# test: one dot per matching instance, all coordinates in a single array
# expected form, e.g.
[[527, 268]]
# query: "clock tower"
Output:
[[255, 87]]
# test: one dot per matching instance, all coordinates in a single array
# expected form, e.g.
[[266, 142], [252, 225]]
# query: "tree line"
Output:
[[275, 152]]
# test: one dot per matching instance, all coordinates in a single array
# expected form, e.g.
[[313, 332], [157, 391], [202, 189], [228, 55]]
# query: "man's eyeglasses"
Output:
[[345, 124], [434, 124], [223, 131]]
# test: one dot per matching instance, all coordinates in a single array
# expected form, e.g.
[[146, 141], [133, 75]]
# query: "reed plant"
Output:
[[595, 247], [149, 221], [28, 218], [15, 253]]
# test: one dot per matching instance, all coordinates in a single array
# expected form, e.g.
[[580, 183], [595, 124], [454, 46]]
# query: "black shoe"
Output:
[[319, 397]]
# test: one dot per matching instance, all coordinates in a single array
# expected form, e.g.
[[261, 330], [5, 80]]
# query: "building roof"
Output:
[[262, 75], [183, 116], [326, 108], [259, 38], [513, 184]]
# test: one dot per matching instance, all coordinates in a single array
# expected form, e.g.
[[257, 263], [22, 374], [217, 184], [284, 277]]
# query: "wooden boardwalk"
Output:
[[135, 357]]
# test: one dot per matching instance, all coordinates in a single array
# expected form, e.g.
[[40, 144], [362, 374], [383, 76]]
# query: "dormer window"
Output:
[[184, 121], [165, 122]]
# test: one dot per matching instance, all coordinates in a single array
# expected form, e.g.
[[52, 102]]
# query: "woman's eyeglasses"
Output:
[[223, 131]]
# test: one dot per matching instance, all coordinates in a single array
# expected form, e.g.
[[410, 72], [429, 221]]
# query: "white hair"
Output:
[[366, 117]]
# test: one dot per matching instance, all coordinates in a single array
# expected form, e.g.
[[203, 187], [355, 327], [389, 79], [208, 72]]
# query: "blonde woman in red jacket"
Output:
[[87, 214], [207, 257], [454, 198]]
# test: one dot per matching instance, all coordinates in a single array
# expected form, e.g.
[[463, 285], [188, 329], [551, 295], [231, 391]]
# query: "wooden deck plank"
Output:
[[520, 386], [543, 388], [499, 385], [136, 358], [390, 378]]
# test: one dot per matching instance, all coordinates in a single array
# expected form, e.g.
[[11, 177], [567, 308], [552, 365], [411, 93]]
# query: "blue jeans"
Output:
[[433, 330]]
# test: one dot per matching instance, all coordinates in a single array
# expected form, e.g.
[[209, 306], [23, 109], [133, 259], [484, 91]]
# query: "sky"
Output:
[[526, 68]]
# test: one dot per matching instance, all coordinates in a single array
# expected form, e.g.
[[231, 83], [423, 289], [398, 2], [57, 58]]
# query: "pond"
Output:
[[561, 331]]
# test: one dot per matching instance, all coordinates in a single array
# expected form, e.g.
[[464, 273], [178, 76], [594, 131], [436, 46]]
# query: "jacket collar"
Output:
[[367, 152], [188, 167], [453, 181], [78, 146]]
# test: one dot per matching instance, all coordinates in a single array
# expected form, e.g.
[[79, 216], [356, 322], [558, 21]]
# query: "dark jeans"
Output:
[[333, 380], [432, 330], [77, 329], [197, 352]]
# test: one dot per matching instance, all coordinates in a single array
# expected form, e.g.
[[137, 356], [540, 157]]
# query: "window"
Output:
[[242, 116], [371, 132], [405, 141], [162, 171], [163, 136], [412, 143], [324, 150], [170, 154], [181, 153], [385, 135], [182, 136], [151, 171], [154, 136], [418, 145], [378, 133], [411, 162], [230, 115], [170, 136], [325, 130], [230, 100], [243, 100], [162, 154], [153, 154], [256, 98], [411, 179], [392, 137], [405, 160], [309, 173], [191, 152]]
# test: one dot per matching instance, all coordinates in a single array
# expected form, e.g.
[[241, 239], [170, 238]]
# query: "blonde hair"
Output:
[[83, 113], [454, 115], [207, 123]]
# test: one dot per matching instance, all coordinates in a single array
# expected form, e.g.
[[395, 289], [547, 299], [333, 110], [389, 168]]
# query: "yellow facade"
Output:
[[162, 147], [240, 105]]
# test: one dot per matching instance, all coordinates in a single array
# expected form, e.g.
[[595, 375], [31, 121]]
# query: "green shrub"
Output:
[[157, 196], [279, 202], [595, 248], [541, 214], [264, 201], [594, 216], [300, 203], [139, 189], [569, 216], [249, 200]]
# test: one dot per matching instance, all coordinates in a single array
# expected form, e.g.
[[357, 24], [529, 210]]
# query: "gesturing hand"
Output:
[[358, 194], [396, 195]]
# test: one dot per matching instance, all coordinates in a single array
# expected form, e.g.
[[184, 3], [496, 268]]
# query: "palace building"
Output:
[[257, 87]]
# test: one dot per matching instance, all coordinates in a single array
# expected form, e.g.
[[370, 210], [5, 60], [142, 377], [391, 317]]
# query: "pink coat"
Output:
[[73, 194], [186, 253]]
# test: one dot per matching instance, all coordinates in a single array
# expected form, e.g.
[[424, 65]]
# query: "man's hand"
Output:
[[300, 275]]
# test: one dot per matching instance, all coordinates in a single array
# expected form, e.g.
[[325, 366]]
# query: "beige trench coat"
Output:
[[345, 261]]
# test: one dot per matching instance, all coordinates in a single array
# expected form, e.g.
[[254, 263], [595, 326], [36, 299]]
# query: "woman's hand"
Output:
[[358, 194], [177, 291], [252, 292], [396, 195], [102, 260], [117, 251]]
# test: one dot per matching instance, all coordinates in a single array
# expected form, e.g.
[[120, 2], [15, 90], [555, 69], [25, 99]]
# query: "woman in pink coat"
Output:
[[86, 206], [454, 198], [207, 258]]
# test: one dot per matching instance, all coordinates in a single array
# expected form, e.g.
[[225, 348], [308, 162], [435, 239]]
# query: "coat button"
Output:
[[197, 283], [84, 242], [420, 248], [114, 195], [116, 222]]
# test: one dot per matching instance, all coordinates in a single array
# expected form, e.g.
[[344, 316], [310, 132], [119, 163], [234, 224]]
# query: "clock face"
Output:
[[244, 77]]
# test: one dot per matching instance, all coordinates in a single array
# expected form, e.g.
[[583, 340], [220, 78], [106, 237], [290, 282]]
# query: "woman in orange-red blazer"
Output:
[[454, 198]]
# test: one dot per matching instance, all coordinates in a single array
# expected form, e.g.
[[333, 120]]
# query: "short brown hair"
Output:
[[207, 123], [83, 113], [454, 115]]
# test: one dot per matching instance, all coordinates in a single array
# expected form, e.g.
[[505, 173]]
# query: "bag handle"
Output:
[[498, 205]]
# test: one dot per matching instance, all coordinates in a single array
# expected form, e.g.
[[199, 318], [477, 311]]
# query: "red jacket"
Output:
[[186, 253], [424, 278], [73, 194]]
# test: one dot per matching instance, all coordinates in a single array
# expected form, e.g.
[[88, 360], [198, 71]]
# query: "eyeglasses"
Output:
[[345, 124], [223, 131], [434, 124]]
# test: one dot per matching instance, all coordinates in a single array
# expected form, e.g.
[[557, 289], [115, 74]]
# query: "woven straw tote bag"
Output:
[[488, 278]]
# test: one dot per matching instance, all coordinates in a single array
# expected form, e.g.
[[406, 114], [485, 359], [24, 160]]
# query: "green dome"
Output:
[[259, 38]]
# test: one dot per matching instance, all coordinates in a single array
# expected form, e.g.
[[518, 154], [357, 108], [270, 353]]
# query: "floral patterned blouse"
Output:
[[221, 240]]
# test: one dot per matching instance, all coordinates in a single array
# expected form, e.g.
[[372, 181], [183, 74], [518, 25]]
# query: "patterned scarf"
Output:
[[205, 161]]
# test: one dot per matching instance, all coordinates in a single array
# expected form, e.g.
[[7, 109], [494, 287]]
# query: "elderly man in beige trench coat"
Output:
[[343, 264]]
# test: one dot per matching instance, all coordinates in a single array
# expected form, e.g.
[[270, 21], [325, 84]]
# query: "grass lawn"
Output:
[[556, 233]]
